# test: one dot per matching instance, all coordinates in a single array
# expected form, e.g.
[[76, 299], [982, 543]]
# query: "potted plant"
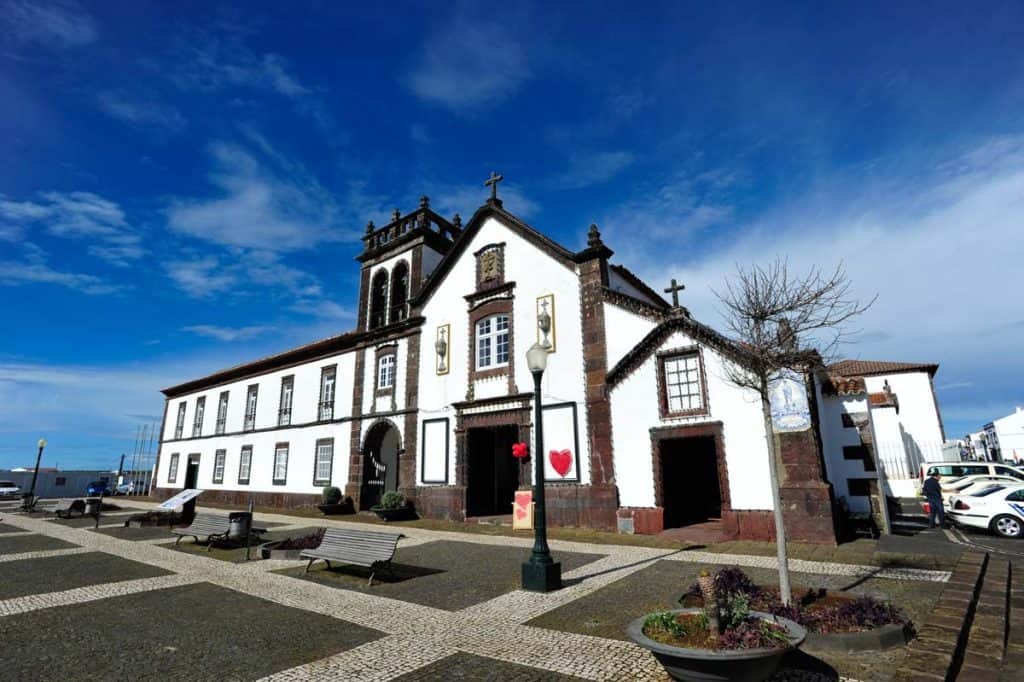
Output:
[[393, 507], [334, 502], [724, 640]]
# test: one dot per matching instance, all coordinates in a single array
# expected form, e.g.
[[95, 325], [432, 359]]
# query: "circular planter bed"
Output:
[[883, 637], [740, 665]]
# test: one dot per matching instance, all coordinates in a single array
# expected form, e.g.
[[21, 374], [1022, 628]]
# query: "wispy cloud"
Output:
[[227, 333], [56, 25], [208, 62], [143, 112], [324, 309], [15, 273], [242, 272], [448, 199], [76, 215], [590, 169], [263, 201], [469, 64]]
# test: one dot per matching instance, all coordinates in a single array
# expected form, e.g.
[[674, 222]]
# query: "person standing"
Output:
[[933, 493]]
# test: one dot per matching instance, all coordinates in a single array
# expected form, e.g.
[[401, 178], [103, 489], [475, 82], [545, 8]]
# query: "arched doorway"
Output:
[[381, 452]]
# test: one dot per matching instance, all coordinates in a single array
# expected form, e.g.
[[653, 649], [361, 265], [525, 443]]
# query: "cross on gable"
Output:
[[492, 182], [674, 289]]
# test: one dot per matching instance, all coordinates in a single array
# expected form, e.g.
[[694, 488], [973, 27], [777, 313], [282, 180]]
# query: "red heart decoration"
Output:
[[519, 450], [523, 498], [520, 513], [561, 461]]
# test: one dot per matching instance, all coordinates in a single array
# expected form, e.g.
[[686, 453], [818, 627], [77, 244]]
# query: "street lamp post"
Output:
[[35, 473], [540, 573]]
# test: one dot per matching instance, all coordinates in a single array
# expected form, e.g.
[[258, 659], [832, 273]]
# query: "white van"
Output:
[[950, 470]]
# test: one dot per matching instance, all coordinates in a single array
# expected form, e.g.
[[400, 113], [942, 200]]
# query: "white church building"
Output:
[[427, 395]]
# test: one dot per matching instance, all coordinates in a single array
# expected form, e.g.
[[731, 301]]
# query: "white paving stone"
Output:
[[80, 595]]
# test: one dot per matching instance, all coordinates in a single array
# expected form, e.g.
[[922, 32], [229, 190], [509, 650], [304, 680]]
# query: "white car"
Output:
[[997, 507], [8, 489], [967, 485]]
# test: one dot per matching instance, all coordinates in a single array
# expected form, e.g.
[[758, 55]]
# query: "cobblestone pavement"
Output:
[[415, 640]]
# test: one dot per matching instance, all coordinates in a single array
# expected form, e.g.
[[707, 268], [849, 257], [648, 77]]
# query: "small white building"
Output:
[[430, 391], [1007, 438]]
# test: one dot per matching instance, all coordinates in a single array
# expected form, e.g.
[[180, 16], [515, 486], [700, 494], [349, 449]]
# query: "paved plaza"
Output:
[[123, 603]]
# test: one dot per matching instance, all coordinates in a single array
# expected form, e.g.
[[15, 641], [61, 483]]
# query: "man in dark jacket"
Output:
[[933, 493]]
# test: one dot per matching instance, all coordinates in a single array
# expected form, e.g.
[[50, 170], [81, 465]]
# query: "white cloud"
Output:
[[143, 112], [469, 65], [264, 202], [15, 273], [448, 199], [201, 277], [207, 62], [227, 333], [242, 272], [324, 309], [594, 168], [56, 25], [76, 215]]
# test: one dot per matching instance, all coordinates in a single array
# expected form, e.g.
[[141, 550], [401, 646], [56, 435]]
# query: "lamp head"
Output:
[[42, 443], [537, 358]]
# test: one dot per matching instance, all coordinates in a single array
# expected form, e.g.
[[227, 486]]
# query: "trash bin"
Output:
[[239, 524], [93, 505]]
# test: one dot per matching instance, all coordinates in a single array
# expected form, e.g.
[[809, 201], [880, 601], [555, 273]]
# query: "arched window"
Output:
[[379, 299], [399, 293]]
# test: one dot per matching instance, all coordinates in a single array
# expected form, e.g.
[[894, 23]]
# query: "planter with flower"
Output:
[[393, 507], [726, 639], [335, 503]]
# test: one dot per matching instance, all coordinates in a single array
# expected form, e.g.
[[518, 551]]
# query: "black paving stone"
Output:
[[54, 574], [136, 533], [445, 575], [469, 667], [193, 632], [232, 551], [85, 521], [31, 542], [6, 528]]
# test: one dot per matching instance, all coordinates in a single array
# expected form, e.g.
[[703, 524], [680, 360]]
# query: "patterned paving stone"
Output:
[[7, 528], [134, 533], [30, 542], [444, 575], [54, 574], [463, 666], [195, 632]]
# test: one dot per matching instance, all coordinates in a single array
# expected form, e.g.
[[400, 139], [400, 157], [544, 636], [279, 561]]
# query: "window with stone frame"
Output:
[[284, 409], [179, 425], [197, 421], [492, 342], [399, 293], [245, 465], [323, 462], [280, 464], [251, 397], [219, 458], [386, 372], [491, 347], [328, 386], [379, 299], [222, 412], [682, 387], [172, 469]]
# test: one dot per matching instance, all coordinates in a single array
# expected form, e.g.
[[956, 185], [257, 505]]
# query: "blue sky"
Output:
[[184, 184]]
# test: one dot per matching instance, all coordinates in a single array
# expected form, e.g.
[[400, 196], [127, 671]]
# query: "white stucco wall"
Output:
[[1010, 432], [919, 413], [301, 439], [634, 407], [535, 274], [622, 331]]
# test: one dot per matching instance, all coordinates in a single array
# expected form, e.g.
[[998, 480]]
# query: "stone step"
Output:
[[986, 643]]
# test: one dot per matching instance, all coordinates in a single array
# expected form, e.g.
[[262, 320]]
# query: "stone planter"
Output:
[[400, 514], [885, 637], [268, 550], [737, 665]]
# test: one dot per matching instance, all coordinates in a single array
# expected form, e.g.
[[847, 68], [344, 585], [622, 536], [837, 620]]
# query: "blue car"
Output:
[[99, 488]]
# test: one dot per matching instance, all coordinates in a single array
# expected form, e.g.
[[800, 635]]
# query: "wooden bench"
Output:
[[211, 527], [370, 549]]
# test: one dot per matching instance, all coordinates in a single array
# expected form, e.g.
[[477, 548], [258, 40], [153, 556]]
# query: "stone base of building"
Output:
[[240, 498], [807, 511], [742, 524]]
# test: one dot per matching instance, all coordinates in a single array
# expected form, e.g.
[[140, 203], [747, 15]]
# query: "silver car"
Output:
[[9, 489]]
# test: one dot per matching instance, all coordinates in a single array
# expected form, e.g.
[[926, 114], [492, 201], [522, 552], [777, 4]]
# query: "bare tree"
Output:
[[784, 322]]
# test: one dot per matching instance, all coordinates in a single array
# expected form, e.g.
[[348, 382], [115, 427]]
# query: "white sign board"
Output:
[[788, 396], [181, 498]]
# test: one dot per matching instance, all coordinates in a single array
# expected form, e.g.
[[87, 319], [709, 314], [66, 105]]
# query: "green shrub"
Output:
[[332, 495], [392, 500]]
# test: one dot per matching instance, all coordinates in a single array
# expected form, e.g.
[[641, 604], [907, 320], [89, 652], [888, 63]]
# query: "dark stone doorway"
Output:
[[492, 471], [191, 483], [380, 464], [690, 490]]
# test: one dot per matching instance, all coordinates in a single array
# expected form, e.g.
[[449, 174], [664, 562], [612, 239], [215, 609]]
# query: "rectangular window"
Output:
[[386, 372], [250, 407], [218, 465], [683, 380], [281, 464], [179, 426], [847, 421], [172, 470], [324, 462], [284, 412], [328, 377], [222, 412], [244, 465], [197, 422], [858, 486], [492, 342], [61, 480], [854, 452]]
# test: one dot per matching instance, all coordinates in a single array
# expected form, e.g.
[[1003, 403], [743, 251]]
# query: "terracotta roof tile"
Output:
[[864, 368], [840, 385]]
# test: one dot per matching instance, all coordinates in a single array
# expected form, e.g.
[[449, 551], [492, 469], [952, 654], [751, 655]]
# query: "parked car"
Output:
[[125, 488], [966, 485], [950, 470], [9, 489], [997, 507], [99, 488]]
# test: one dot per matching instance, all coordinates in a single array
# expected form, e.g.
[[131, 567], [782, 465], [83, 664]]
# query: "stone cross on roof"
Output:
[[492, 182], [674, 289]]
